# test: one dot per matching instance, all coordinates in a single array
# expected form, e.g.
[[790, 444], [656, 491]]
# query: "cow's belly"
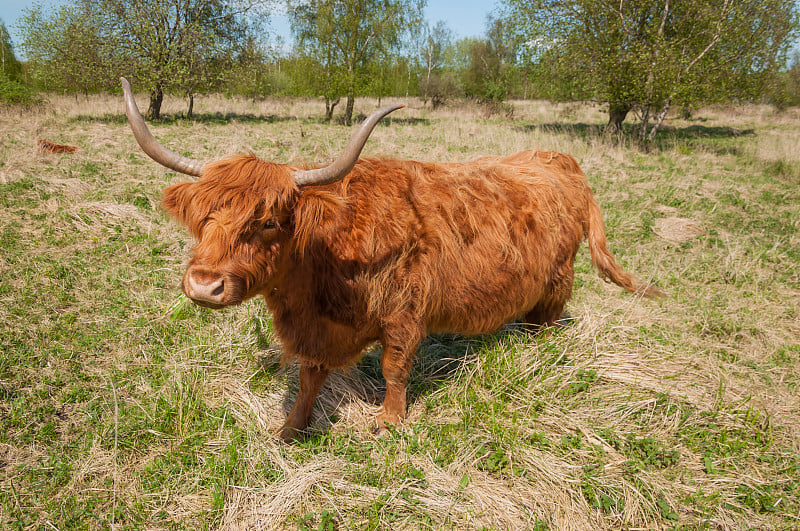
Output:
[[485, 304]]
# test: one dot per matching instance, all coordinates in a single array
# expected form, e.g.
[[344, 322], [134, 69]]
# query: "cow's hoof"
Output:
[[290, 434], [385, 425], [381, 430]]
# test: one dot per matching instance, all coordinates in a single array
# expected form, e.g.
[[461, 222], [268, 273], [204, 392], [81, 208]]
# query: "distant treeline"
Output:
[[643, 57]]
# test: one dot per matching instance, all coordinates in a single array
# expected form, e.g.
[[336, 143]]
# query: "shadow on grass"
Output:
[[390, 119], [217, 118], [441, 358], [220, 118], [666, 136]]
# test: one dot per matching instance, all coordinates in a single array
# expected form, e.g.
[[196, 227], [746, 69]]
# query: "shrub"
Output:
[[15, 93]]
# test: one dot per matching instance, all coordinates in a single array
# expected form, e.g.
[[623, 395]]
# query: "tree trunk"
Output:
[[348, 109], [191, 105], [659, 119], [156, 98], [427, 87], [329, 106], [617, 112], [644, 124]]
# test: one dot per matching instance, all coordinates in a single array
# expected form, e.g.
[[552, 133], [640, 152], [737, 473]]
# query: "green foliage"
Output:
[[490, 71], [346, 37], [784, 90], [64, 50], [13, 92], [182, 46], [440, 88], [436, 42], [10, 67], [258, 70], [647, 55]]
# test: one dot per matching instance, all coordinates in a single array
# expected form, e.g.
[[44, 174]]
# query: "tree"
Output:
[[785, 89], [177, 44], [64, 49], [314, 27], [254, 71], [344, 36], [647, 55], [12, 89], [9, 66], [490, 69], [172, 41], [436, 40]]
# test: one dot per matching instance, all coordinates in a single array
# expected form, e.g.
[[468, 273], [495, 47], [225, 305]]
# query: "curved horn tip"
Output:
[[149, 144], [345, 162]]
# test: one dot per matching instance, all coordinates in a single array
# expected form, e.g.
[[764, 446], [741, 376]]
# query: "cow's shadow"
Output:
[[441, 358]]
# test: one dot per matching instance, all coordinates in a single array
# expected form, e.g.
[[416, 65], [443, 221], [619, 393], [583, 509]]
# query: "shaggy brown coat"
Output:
[[49, 147], [394, 251]]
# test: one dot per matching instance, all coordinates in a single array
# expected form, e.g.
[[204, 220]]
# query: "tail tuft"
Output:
[[604, 261], [651, 291]]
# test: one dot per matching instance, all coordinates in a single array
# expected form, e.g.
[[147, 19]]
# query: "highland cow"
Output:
[[383, 250]]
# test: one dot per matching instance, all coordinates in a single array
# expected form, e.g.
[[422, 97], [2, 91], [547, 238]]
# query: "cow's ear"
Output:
[[176, 200]]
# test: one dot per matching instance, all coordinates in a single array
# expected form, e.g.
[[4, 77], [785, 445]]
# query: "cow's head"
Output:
[[240, 210]]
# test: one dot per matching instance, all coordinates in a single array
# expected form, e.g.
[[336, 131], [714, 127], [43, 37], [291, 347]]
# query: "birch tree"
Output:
[[432, 53]]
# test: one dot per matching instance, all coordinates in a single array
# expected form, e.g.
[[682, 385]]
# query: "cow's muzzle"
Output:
[[206, 287]]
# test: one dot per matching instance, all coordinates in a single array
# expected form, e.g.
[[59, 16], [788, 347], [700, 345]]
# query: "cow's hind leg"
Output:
[[550, 308], [399, 350], [545, 313], [311, 379]]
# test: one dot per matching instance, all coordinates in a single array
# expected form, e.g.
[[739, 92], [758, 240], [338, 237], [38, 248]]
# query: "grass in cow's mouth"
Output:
[[121, 403]]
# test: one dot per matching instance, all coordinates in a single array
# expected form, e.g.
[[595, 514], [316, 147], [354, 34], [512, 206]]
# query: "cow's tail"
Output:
[[604, 261]]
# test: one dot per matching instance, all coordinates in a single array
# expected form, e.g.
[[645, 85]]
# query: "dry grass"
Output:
[[125, 406]]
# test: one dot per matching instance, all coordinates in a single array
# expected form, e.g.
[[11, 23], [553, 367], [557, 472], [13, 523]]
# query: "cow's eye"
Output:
[[270, 224]]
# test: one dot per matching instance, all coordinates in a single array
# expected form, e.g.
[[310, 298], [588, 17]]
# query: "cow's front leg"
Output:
[[311, 379], [399, 351]]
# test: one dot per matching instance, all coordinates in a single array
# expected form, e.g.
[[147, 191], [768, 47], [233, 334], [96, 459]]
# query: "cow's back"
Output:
[[526, 220], [466, 246]]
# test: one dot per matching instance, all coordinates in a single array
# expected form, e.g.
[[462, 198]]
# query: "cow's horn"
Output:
[[150, 145], [342, 166]]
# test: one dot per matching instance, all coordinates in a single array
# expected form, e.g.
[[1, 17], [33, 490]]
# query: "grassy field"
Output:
[[123, 405]]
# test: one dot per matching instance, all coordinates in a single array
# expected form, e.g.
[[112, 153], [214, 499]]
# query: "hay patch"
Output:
[[676, 229], [101, 213]]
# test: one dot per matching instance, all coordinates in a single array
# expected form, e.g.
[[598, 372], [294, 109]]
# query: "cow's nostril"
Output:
[[204, 286], [219, 289]]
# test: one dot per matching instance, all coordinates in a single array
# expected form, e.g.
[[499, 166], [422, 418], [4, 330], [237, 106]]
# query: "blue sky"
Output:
[[467, 18]]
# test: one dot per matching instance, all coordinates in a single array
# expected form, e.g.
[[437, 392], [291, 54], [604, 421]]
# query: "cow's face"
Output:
[[239, 213], [238, 210]]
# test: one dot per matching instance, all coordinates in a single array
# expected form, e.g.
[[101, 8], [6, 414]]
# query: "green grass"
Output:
[[122, 404]]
